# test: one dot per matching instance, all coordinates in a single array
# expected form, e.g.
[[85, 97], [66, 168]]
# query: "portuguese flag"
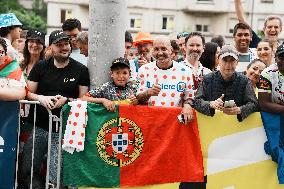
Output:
[[135, 146]]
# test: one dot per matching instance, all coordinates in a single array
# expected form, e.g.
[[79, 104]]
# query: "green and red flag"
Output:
[[135, 146], [10, 69]]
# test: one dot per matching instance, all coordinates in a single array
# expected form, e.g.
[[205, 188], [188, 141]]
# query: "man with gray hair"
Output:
[[82, 40], [226, 90]]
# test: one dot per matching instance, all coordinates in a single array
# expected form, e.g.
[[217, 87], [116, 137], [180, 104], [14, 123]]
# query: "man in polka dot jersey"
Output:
[[164, 82]]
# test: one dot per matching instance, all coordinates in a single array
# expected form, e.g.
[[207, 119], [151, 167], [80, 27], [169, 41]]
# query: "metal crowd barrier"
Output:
[[58, 125]]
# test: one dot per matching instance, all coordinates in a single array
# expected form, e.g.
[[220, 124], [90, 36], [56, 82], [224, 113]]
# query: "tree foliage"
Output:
[[29, 18]]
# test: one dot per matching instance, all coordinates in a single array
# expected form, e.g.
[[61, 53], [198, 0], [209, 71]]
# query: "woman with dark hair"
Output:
[[209, 57], [33, 50]]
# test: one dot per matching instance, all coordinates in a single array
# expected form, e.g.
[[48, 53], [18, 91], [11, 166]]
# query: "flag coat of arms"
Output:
[[135, 146]]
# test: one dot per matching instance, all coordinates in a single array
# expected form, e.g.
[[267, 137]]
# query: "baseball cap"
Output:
[[9, 19], [56, 36], [142, 37], [120, 61], [279, 50], [228, 50], [35, 34]]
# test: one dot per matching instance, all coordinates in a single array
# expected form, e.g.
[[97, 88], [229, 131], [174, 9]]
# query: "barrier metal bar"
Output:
[[33, 150], [57, 120], [59, 149], [18, 144], [51, 119]]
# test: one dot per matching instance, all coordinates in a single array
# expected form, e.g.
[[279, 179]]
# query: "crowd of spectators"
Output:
[[238, 79]]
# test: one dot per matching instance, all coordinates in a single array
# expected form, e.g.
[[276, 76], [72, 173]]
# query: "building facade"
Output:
[[211, 17]]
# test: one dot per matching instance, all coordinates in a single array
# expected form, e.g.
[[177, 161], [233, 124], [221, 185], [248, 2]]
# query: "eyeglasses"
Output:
[[182, 34]]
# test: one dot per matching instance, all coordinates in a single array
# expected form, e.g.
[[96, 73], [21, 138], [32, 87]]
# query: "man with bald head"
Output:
[[165, 82]]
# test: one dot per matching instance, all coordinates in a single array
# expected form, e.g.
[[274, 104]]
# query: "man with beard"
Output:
[[144, 44], [52, 82], [242, 37], [194, 47]]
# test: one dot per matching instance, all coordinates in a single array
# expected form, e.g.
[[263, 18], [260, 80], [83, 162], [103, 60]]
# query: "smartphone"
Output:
[[229, 104]]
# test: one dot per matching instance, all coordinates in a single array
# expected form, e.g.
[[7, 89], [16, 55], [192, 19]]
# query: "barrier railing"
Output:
[[212, 135], [58, 125]]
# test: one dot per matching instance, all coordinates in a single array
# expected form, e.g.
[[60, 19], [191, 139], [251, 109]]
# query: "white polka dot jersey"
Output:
[[176, 83]]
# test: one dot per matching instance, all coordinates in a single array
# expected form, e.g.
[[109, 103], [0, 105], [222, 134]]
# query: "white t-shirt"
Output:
[[176, 83], [76, 55], [245, 59]]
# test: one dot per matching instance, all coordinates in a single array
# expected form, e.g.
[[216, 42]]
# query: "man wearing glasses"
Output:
[[72, 27]]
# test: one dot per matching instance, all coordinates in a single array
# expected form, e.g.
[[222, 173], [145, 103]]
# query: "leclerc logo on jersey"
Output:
[[180, 87]]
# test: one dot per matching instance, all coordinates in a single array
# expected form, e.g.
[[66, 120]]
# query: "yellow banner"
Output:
[[233, 152]]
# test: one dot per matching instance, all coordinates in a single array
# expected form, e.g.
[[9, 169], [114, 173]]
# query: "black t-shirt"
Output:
[[57, 81]]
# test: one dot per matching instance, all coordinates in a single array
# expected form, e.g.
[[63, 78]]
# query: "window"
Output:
[[202, 28], [168, 23], [267, 1], [232, 23], [260, 24], [65, 14], [135, 21]]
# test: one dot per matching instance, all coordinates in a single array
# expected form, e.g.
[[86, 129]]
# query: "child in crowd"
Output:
[[119, 89]]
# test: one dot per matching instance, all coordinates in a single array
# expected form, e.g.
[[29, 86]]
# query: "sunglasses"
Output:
[[182, 34]]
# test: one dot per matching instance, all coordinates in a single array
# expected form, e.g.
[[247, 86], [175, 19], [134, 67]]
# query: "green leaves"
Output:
[[31, 19]]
